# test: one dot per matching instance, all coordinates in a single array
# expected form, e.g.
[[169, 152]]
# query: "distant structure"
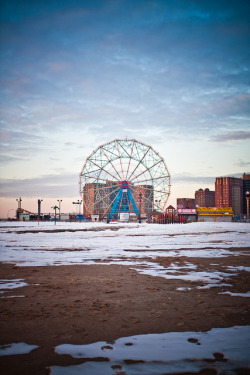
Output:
[[246, 188], [122, 179], [229, 193], [212, 214], [205, 198], [185, 203], [98, 199]]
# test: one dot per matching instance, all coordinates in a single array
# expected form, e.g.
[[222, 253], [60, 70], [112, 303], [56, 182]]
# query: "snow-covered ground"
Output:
[[30, 244], [81, 243]]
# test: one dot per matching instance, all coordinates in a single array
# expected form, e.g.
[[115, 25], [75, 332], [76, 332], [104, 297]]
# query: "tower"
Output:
[[229, 193]]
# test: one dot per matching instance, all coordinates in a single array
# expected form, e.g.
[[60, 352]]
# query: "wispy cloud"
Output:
[[188, 178], [64, 185], [239, 135], [75, 74], [243, 164], [203, 180]]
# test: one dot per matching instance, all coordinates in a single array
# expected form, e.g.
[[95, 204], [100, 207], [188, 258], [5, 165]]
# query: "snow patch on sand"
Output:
[[225, 349], [11, 284], [16, 348]]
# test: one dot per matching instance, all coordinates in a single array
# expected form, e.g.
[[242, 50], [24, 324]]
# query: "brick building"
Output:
[[99, 198], [229, 193], [205, 198], [185, 203]]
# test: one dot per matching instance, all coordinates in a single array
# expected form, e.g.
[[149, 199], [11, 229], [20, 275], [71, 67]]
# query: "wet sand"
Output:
[[81, 304]]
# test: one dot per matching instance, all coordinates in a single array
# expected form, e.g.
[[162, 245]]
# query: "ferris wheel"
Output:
[[124, 176]]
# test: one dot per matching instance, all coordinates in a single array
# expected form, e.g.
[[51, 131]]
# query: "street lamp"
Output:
[[79, 204], [19, 202], [59, 201], [54, 208], [247, 198], [39, 208], [19, 208]]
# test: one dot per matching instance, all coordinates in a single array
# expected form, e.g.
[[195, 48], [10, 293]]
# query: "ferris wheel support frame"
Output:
[[118, 200]]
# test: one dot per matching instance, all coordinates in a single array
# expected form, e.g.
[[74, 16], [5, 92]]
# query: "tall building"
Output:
[[229, 193], [185, 203], [205, 198], [246, 187]]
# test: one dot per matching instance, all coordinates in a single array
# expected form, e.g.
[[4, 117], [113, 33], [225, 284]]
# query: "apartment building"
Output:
[[205, 198], [229, 193]]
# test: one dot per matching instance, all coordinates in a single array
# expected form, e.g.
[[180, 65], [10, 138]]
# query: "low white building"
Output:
[[94, 217], [24, 216]]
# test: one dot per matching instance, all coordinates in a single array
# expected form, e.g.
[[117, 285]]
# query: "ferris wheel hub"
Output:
[[124, 184]]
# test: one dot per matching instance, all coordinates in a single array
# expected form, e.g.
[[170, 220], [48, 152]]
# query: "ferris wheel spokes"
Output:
[[120, 159], [102, 169], [159, 161], [150, 201], [130, 158], [111, 163], [131, 174], [97, 178], [107, 195], [155, 178]]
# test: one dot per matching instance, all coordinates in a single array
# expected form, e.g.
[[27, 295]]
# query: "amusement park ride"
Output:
[[121, 179], [124, 176]]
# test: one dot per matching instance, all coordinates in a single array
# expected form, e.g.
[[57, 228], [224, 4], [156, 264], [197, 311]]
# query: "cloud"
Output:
[[187, 178], [203, 180], [239, 135], [46, 186], [242, 163], [86, 72]]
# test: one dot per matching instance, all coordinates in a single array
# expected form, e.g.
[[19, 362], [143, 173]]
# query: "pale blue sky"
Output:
[[77, 74]]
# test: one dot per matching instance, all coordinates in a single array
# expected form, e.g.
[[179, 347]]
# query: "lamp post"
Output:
[[140, 198], [247, 198], [79, 204], [59, 201], [55, 208], [39, 209], [19, 208], [19, 202]]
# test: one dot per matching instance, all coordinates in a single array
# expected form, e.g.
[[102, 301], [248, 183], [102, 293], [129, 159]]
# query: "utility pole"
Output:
[[79, 204], [247, 198], [39, 209], [59, 201]]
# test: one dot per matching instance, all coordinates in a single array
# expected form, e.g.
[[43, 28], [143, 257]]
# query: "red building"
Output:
[[185, 203], [98, 198], [229, 193], [205, 198]]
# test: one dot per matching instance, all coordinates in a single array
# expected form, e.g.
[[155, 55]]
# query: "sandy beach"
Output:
[[86, 303]]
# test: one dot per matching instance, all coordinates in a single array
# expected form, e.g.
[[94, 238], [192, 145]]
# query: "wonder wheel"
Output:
[[124, 177]]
